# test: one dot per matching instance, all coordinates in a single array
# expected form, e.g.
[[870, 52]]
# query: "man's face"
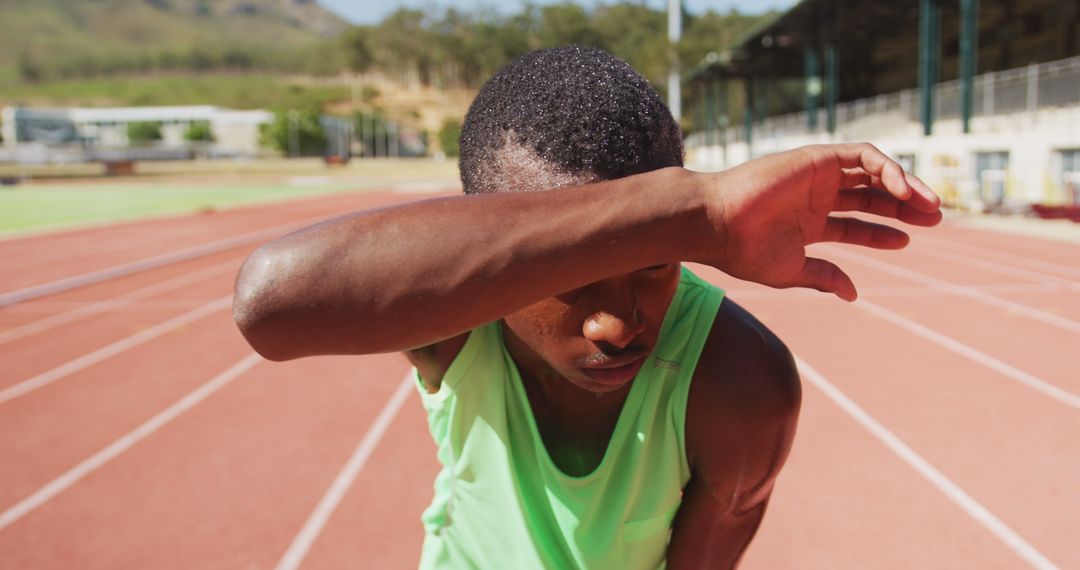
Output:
[[597, 336]]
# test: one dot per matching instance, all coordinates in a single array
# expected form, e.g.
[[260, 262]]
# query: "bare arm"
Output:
[[741, 418], [408, 276]]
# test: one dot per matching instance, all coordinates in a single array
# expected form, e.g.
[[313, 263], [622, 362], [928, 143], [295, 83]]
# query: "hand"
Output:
[[767, 210]]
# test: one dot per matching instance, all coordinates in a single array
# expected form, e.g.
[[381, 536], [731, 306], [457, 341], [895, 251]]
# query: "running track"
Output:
[[939, 429]]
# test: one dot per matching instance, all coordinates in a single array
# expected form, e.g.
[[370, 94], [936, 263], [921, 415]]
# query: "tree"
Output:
[[449, 137], [142, 132], [356, 42], [295, 133], [199, 131]]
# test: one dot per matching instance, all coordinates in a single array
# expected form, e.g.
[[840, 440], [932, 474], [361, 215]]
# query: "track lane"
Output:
[[30, 358], [1006, 445], [199, 232], [906, 510], [224, 485], [47, 431], [1035, 346], [1022, 250], [377, 524], [844, 502]]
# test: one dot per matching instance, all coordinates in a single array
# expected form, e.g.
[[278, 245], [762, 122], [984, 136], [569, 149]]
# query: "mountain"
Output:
[[43, 29]]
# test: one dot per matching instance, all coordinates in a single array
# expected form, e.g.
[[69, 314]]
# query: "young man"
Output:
[[594, 404]]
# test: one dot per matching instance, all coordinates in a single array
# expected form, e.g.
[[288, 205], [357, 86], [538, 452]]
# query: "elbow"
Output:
[[254, 306]]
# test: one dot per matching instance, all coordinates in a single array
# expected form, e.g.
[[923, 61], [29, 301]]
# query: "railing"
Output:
[[1024, 89]]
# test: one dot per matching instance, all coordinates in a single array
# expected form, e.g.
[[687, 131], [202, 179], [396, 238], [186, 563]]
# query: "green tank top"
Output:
[[501, 502]]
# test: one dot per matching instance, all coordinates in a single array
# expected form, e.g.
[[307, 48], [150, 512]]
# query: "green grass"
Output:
[[232, 90], [46, 207]]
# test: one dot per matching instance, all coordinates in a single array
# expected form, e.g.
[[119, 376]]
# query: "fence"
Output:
[[1024, 89]]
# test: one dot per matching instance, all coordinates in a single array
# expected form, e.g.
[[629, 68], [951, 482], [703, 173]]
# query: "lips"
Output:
[[616, 371]]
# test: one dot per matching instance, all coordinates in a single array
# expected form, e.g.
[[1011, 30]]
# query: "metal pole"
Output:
[[969, 38], [811, 65], [380, 140], [369, 118], [710, 112], [831, 80], [674, 35], [1032, 87], [748, 114], [395, 152], [928, 52]]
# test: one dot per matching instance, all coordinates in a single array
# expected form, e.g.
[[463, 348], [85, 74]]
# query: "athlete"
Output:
[[594, 403]]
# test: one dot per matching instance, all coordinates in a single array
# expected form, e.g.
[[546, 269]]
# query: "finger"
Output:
[[923, 197], [880, 203], [825, 276], [876, 163], [853, 177], [860, 232]]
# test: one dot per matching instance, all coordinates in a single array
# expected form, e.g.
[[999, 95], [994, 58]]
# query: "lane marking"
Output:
[[999, 268], [1029, 380], [88, 466], [1012, 258], [48, 377], [344, 480], [121, 300], [958, 496], [909, 291], [973, 294], [66, 283]]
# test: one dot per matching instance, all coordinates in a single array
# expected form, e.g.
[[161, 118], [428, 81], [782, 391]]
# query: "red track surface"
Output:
[[979, 384]]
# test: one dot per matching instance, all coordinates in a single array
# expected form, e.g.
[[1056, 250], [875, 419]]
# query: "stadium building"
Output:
[[979, 98], [78, 134]]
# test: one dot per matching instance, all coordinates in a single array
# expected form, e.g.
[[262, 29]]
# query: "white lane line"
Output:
[[73, 475], [1073, 271], [905, 292], [958, 496], [118, 301], [113, 349], [1029, 380], [326, 507], [100, 275], [1000, 268], [975, 295]]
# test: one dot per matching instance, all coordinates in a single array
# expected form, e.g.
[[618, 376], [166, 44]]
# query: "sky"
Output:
[[373, 11]]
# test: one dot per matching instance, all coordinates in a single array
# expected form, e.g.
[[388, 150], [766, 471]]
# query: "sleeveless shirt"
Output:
[[501, 502]]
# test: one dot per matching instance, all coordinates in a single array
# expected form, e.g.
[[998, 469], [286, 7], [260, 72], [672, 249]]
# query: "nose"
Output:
[[617, 330]]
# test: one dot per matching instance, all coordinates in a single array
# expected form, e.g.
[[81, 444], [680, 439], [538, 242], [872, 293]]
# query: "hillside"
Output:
[[43, 30]]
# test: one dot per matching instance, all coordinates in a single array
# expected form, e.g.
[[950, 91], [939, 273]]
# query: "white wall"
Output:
[[946, 159]]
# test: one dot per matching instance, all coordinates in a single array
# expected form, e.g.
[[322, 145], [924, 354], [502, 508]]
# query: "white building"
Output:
[[235, 133], [1023, 146]]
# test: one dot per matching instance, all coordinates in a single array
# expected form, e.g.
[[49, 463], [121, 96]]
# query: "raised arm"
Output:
[[407, 276]]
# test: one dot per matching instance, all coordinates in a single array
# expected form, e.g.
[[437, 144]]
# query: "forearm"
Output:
[[401, 277]]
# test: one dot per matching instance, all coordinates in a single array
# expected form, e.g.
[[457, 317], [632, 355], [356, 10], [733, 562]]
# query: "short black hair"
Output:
[[579, 109]]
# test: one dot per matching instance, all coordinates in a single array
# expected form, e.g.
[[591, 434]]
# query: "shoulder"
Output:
[[744, 370], [743, 403]]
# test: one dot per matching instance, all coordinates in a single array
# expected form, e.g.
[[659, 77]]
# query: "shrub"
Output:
[[449, 137], [295, 133], [143, 132], [199, 131]]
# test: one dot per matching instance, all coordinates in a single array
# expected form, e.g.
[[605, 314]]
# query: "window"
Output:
[[991, 174], [907, 162], [1070, 175]]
